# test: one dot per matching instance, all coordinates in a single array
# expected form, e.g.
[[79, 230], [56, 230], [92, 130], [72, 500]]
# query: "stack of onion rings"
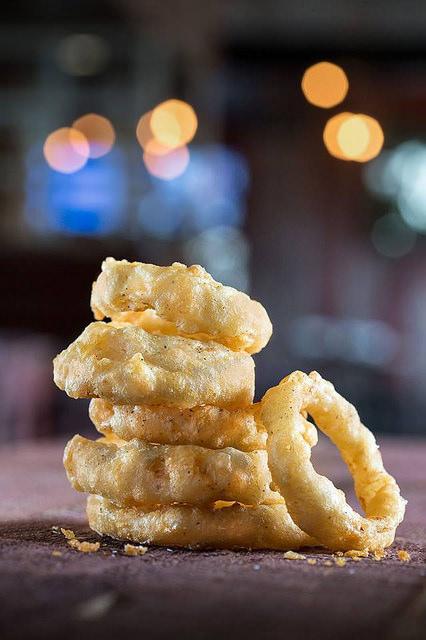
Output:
[[185, 458]]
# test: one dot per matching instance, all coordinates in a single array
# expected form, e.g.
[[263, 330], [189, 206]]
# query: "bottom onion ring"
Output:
[[135, 473], [236, 526], [314, 503]]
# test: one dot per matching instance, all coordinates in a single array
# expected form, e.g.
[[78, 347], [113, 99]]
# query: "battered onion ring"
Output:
[[314, 503], [236, 526], [188, 297], [204, 426], [132, 473], [127, 365]]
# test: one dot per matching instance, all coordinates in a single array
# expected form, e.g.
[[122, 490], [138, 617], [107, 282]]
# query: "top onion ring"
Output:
[[186, 296], [314, 503]]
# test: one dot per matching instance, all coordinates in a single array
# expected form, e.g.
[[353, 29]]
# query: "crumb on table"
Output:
[[134, 550], [293, 555], [403, 555]]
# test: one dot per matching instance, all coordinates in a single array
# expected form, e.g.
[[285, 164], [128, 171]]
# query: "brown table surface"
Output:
[[168, 593]]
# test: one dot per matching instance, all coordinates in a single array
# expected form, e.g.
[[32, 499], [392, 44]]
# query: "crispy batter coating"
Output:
[[127, 365], [313, 501], [188, 297], [137, 473], [236, 526], [204, 426]]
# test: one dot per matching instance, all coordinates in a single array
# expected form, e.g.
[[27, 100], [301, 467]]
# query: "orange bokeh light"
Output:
[[143, 130], [356, 137], [325, 84], [173, 123], [330, 133], [376, 140], [99, 133], [167, 166], [66, 150], [353, 137]]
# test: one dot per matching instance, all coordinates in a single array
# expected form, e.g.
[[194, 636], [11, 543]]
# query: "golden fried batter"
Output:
[[132, 473], [204, 426], [313, 501], [127, 365], [236, 526], [188, 297]]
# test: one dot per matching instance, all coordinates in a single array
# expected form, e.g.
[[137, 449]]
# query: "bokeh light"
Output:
[[400, 176], [82, 54], [66, 150], [376, 139], [325, 85], [391, 237], [143, 130], [173, 123], [356, 137], [155, 148], [167, 166], [353, 137], [99, 133], [330, 134]]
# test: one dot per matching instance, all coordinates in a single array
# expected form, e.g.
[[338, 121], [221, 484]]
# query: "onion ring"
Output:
[[236, 526], [188, 297], [205, 426], [127, 365], [132, 473], [314, 503]]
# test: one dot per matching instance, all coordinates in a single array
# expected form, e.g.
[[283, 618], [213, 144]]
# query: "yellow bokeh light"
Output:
[[375, 142], [66, 150], [173, 123], [325, 84], [167, 166], [353, 137], [330, 133], [143, 130], [99, 133]]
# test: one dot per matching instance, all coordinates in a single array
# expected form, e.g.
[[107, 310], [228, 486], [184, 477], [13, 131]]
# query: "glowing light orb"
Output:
[[376, 139], [330, 133], [353, 137], [66, 150], [325, 85], [356, 137], [173, 123], [167, 166], [99, 133], [143, 130]]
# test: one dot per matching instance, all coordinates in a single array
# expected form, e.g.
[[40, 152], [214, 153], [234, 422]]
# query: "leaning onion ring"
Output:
[[314, 503]]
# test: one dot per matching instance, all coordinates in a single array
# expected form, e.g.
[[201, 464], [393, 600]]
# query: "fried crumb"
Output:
[[403, 555], [356, 554], [379, 554], [312, 561], [83, 547], [293, 555], [133, 550], [56, 553], [68, 533], [340, 562], [328, 563]]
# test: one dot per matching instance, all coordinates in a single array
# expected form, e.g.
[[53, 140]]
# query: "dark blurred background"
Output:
[[334, 248]]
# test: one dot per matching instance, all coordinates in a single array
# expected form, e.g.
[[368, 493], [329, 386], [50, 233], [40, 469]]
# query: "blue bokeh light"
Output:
[[92, 201]]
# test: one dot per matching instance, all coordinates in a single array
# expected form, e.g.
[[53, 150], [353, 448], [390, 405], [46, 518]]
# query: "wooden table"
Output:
[[169, 593]]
